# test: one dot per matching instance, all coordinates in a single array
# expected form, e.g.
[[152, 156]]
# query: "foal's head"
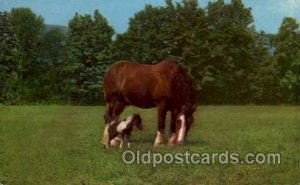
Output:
[[136, 120]]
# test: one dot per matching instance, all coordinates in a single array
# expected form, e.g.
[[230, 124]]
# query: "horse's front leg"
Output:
[[128, 140], [121, 143], [173, 135], [113, 110], [161, 124]]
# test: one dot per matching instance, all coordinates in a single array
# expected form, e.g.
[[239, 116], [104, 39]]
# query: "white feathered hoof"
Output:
[[105, 136]]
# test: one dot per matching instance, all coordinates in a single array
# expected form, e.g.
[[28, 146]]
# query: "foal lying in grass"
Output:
[[119, 131]]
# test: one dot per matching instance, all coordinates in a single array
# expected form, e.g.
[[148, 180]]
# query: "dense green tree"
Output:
[[230, 51], [8, 61], [87, 50], [287, 55], [144, 37], [51, 55], [264, 74], [28, 29]]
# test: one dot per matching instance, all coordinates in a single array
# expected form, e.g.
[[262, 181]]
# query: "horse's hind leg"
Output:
[[161, 124], [173, 136]]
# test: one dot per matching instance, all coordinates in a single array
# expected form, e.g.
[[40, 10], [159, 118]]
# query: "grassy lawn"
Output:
[[61, 145]]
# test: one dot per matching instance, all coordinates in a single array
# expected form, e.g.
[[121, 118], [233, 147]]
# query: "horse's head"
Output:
[[184, 121]]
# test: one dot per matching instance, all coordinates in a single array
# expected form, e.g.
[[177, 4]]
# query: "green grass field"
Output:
[[61, 145]]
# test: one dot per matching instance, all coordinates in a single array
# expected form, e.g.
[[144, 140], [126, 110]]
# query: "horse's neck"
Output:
[[129, 126]]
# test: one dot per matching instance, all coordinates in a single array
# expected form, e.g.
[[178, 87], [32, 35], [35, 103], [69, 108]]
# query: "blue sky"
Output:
[[268, 14]]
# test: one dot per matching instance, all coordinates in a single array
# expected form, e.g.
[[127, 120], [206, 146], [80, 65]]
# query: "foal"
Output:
[[119, 131]]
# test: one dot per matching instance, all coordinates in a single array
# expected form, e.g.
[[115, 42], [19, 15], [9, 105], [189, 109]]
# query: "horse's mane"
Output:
[[184, 91]]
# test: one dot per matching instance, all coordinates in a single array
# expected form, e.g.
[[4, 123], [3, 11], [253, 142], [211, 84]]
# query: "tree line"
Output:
[[229, 61]]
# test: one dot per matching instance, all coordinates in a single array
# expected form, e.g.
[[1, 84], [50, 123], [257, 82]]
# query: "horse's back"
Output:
[[141, 82], [127, 79], [163, 64], [128, 67]]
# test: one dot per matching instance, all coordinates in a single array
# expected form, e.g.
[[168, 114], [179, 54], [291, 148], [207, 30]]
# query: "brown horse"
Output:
[[165, 85]]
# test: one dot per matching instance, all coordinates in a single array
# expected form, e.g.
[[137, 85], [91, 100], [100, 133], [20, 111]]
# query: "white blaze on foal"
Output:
[[182, 130]]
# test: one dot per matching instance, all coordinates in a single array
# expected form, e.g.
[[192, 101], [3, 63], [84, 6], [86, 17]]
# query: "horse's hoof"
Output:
[[180, 143], [171, 144], [104, 142], [157, 144], [172, 139]]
